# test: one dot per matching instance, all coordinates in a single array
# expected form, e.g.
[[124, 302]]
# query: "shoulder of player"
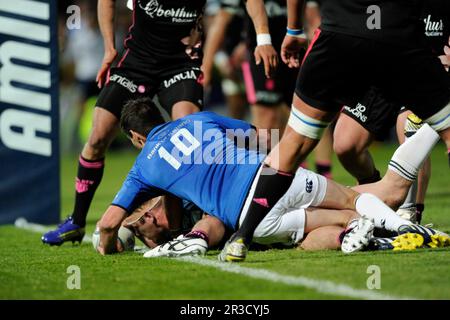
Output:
[[202, 115]]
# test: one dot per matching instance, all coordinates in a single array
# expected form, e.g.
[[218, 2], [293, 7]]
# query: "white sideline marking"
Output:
[[22, 223], [321, 286]]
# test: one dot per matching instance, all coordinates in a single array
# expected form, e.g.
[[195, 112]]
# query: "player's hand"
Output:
[[108, 59], [290, 50], [445, 58], [194, 50], [119, 248], [268, 55], [193, 44], [206, 76]]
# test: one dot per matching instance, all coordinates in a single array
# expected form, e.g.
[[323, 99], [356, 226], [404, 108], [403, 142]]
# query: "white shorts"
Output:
[[285, 223]]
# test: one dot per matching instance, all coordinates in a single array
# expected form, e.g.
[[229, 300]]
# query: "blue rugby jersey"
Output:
[[195, 158]]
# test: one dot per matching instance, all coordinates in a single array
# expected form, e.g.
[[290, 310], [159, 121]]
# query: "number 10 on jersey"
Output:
[[183, 141]]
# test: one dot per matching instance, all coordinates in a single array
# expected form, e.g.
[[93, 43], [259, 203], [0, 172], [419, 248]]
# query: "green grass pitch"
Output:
[[30, 270]]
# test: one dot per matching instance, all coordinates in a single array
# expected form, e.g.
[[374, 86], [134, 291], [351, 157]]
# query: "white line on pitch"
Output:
[[22, 223], [321, 286]]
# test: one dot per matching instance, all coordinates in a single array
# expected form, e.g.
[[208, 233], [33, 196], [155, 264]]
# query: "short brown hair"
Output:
[[140, 115]]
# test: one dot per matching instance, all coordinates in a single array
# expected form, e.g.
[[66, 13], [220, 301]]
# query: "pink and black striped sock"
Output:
[[89, 175], [270, 187]]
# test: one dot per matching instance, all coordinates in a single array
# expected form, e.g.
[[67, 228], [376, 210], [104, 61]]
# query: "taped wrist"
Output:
[[198, 234], [305, 125], [263, 39]]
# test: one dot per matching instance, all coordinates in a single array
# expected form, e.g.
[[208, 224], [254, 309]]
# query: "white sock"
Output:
[[409, 157], [411, 197], [384, 217]]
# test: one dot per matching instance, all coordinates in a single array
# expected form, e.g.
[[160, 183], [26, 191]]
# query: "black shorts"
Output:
[[171, 84], [374, 113], [269, 92], [340, 69]]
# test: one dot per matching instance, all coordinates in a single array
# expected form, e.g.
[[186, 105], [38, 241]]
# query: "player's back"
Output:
[[196, 158], [384, 20], [159, 27]]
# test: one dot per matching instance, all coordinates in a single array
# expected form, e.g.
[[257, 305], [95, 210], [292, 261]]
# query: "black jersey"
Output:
[[158, 28], [276, 12], [436, 19], [393, 21]]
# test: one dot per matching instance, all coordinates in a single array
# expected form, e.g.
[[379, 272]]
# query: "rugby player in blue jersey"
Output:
[[200, 158], [162, 58]]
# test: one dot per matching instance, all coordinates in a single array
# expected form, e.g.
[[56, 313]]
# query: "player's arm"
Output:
[[214, 40], [295, 38], [132, 194], [295, 11], [445, 58], [264, 50], [206, 233], [108, 227], [106, 11]]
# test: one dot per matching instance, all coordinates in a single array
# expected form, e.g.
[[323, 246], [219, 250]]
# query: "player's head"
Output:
[[138, 118], [150, 221]]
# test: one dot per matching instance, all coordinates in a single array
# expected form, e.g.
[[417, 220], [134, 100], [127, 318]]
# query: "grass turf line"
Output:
[[32, 270]]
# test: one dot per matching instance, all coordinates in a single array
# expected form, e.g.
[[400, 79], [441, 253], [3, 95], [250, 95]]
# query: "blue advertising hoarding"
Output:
[[29, 121]]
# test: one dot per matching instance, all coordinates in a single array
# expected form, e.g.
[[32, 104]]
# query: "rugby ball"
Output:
[[96, 238], [125, 236]]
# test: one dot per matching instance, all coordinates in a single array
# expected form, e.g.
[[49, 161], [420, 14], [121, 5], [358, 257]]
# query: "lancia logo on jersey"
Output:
[[190, 74]]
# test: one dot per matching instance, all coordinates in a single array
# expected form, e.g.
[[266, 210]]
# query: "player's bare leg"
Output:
[[212, 227], [392, 189], [441, 123], [319, 217], [90, 172], [323, 154], [403, 168], [104, 129], [413, 206], [269, 117], [236, 105], [365, 204], [182, 109], [305, 127], [323, 238], [335, 229], [295, 146], [351, 143]]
